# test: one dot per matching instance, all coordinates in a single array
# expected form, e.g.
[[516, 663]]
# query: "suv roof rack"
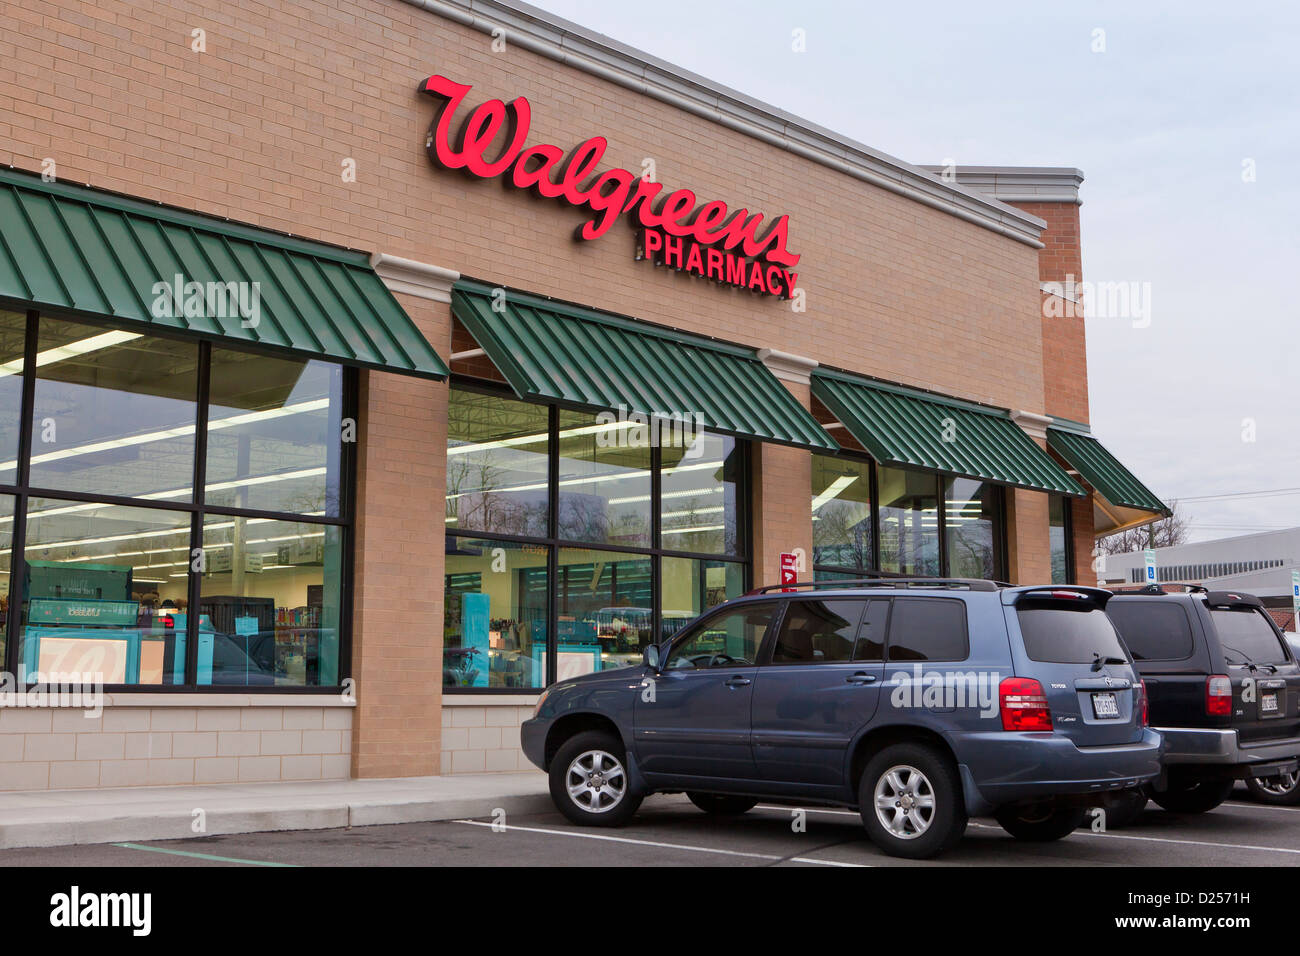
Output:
[[1159, 589], [954, 584]]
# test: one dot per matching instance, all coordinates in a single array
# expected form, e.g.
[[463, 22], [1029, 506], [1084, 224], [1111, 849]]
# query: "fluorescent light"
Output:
[[833, 491]]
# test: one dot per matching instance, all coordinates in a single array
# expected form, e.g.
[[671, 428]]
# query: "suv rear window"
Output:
[[1246, 637], [1153, 631], [928, 629], [1067, 632]]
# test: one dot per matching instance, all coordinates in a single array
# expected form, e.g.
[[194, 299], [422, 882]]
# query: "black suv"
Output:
[[1223, 688]]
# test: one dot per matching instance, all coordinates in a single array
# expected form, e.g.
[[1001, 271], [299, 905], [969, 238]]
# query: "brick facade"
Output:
[[258, 127]]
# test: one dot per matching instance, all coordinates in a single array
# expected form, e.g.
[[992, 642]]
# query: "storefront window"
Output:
[[972, 528], [841, 512], [604, 482], [13, 338], [6, 563], [700, 475], [274, 434], [1059, 530], [106, 591], [909, 521], [269, 603], [691, 586], [494, 615], [604, 608], [497, 464], [114, 412]]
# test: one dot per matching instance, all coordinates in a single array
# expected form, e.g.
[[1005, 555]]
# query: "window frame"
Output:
[[196, 507], [655, 552], [864, 602]]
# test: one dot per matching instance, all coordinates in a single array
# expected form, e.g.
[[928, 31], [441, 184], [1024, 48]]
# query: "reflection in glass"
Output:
[[909, 521], [114, 412], [692, 586], [1056, 506], [497, 461], [604, 481], [6, 562], [972, 520], [106, 589], [841, 512], [269, 603], [494, 614], [700, 475], [274, 433], [13, 329], [604, 607]]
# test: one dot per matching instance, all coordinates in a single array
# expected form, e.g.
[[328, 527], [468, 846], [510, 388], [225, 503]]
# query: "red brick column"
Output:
[[397, 609]]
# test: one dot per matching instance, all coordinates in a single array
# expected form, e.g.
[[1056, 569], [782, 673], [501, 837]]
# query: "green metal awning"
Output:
[[84, 252], [1123, 494], [551, 351], [914, 429]]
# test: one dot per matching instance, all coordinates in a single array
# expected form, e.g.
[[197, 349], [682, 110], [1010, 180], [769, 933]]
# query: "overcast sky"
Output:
[[1164, 123]]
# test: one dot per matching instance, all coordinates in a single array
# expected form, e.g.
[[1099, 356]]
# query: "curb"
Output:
[[175, 824]]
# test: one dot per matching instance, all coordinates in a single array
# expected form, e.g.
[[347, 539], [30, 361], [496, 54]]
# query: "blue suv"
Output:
[[919, 702]]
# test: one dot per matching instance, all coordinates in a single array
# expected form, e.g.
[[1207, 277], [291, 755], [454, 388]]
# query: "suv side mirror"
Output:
[[651, 657]]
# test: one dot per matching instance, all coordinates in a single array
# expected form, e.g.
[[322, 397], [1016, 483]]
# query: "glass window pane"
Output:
[[274, 433], [692, 586], [841, 512], [269, 603], [727, 639], [497, 463], [818, 632], [1056, 530], [972, 527], [604, 481], [605, 606], [6, 552], [909, 521], [928, 629], [700, 481], [114, 412], [13, 336], [106, 592], [494, 614]]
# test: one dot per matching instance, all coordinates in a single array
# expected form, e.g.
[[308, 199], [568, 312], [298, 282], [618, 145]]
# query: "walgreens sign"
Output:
[[676, 229]]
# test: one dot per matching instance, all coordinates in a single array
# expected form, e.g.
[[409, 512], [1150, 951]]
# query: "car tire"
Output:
[[936, 816], [1040, 823], [1122, 808], [1193, 796], [1280, 791], [589, 780], [722, 805]]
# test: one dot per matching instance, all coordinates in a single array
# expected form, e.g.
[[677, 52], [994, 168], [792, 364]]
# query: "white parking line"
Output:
[[1258, 806], [654, 843], [1148, 839]]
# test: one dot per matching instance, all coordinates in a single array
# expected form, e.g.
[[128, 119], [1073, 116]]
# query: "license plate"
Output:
[[1268, 704], [1104, 706]]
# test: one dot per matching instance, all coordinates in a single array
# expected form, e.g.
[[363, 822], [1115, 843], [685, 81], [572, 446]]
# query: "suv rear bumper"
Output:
[[1223, 748], [1010, 767]]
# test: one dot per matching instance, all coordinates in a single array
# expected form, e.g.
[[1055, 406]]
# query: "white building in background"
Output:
[[1260, 564]]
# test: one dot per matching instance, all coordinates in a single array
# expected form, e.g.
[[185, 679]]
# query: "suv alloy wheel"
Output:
[[911, 802], [589, 782], [1280, 791]]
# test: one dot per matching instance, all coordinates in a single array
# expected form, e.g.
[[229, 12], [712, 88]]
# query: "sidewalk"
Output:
[[62, 817]]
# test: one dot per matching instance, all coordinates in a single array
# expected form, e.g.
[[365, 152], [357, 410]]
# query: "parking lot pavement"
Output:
[[668, 831]]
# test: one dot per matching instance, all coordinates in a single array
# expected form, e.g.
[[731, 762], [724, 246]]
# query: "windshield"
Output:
[[1057, 632], [1246, 637]]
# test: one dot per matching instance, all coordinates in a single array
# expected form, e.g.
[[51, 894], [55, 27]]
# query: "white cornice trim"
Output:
[[576, 47], [787, 367], [1033, 425], [414, 278], [1019, 183]]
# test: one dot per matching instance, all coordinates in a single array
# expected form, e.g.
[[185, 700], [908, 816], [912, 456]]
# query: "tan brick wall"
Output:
[[137, 746], [482, 736], [782, 493], [1029, 546]]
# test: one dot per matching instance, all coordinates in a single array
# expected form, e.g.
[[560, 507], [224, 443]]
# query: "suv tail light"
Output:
[[1146, 713], [1024, 705], [1218, 695]]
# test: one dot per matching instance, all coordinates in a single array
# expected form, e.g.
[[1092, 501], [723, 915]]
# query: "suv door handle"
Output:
[[737, 681], [861, 677]]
